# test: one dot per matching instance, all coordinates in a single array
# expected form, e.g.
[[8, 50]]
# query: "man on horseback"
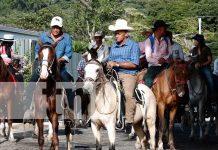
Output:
[[157, 51], [124, 58], [63, 50], [100, 47], [203, 60]]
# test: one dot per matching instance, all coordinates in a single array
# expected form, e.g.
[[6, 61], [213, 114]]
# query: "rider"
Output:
[[82, 64], [101, 48], [6, 50], [124, 58], [63, 53], [157, 51], [177, 51], [203, 61]]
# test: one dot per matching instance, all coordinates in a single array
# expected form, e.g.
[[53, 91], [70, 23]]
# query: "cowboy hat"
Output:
[[120, 24], [57, 21], [199, 38], [160, 23], [8, 38], [99, 33]]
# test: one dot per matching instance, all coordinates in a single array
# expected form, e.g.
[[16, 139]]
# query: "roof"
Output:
[[20, 31]]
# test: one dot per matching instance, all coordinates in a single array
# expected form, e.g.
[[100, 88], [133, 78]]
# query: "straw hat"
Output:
[[120, 24]]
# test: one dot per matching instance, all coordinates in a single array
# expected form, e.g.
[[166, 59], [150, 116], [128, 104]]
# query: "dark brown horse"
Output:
[[7, 94], [169, 87], [45, 96]]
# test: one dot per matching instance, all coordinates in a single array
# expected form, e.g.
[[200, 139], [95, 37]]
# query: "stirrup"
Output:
[[139, 96]]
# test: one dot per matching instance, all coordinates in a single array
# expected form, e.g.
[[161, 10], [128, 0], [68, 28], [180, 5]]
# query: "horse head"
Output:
[[181, 76], [47, 60], [93, 75]]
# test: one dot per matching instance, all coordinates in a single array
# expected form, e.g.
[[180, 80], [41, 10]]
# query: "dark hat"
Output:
[[199, 38], [160, 23]]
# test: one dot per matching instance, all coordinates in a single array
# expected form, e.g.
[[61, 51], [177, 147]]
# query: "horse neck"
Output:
[[5, 74], [167, 79], [102, 80]]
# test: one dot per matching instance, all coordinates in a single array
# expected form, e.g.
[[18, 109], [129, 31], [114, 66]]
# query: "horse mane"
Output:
[[55, 68], [5, 74]]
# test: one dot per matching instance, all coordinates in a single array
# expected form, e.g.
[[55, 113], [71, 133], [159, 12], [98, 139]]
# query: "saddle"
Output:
[[112, 76]]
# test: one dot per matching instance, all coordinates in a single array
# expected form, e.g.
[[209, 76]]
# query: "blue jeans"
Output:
[[65, 77], [207, 75]]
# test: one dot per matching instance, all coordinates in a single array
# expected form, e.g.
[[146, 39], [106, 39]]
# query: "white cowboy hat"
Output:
[[8, 38], [120, 24], [57, 21]]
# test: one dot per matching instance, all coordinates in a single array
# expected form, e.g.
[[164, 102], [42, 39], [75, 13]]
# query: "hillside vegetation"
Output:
[[81, 15]]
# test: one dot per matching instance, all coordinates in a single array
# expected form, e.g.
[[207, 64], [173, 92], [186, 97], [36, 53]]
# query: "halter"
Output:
[[178, 82]]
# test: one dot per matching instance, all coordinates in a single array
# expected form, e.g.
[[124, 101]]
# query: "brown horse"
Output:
[[7, 94], [169, 87], [45, 96]]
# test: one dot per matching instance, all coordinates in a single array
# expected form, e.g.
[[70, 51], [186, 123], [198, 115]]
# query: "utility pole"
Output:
[[199, 25]]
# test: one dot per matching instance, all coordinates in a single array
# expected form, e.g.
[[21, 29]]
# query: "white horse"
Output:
[[104, 107]]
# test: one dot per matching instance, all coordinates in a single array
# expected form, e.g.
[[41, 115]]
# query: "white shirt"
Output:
[[177, 51], [103, 53]]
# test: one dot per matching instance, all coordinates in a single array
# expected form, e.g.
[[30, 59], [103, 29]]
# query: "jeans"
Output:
[[152, 72], [207, 75], [65, 77]]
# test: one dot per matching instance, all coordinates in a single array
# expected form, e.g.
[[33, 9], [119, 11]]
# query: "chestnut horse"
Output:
[[45, 99], [7, 94], [169, 87]]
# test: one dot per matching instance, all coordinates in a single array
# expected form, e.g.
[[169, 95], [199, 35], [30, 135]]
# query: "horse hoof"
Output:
[[12, 140], [172, 147], [138, 145]]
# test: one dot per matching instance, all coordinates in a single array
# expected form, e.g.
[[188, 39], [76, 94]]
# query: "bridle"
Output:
[[46, 62], [177, 81]]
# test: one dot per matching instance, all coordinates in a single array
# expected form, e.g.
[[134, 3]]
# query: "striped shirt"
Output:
[[128, 52]]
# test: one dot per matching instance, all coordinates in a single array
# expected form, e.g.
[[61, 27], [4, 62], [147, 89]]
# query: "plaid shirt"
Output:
[[81, 65], [128, 52]]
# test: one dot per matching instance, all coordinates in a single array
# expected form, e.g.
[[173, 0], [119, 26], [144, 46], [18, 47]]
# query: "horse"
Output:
[[46, 104], [197, 97], [7, 95], [170, 85], [104, 107]]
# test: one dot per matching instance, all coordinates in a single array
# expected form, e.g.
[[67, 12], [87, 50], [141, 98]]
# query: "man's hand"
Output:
[[111, 64], [161, 61], [61, 60]]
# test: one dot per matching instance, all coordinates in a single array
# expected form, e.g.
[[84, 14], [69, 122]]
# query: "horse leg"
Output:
[[137, 125], [171, 126], [96, 132], [40, 133], [192, 119], [201, 120], [54, 121], [151, 129], [50, 131], [10, 130], [161, 109], [110, 126], [132, 133], [68, 134]]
